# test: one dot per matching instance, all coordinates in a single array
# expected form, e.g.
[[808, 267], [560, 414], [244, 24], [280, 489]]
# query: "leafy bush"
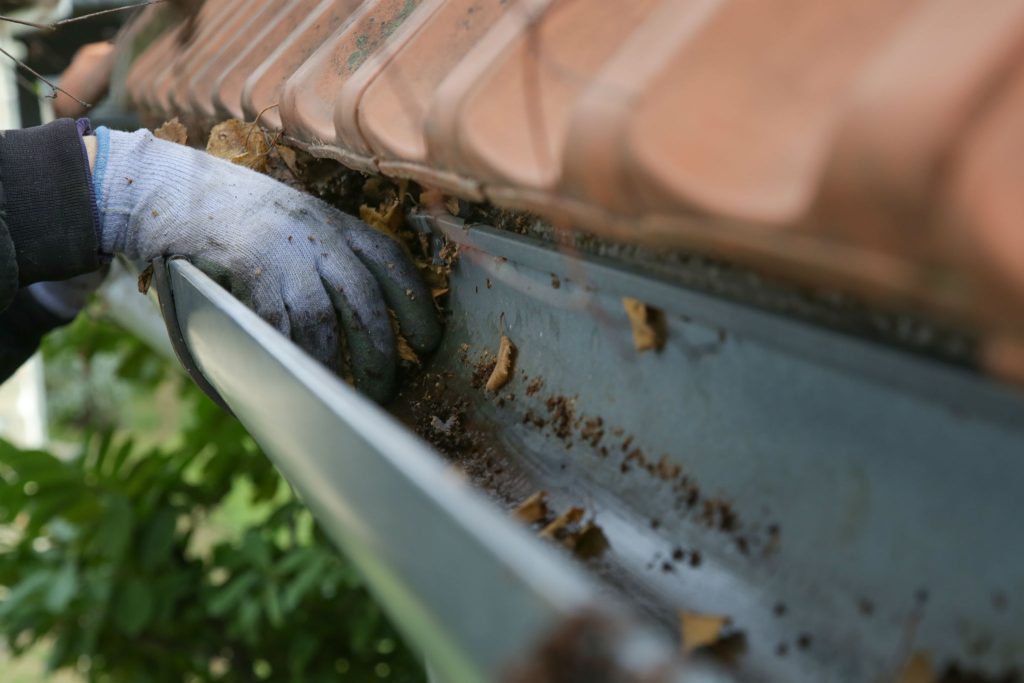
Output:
[[186, 560]]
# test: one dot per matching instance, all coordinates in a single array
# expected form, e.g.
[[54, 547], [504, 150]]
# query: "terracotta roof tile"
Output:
[[253, 50], [263, 88], [868, 145], [307, 103]]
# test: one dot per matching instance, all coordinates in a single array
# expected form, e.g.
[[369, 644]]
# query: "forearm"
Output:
[[49, 208]]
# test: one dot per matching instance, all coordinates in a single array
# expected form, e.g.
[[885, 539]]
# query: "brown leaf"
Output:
[[700, 630], [289, 157], [533, 509], [648, 325], [452, 204], [172, 131], [917, 669], [146, 279], [567, 518], [590, 542], [240, 143], [503, 368]]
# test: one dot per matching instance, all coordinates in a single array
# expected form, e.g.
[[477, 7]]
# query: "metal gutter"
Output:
[[472, 590], [872, 494]]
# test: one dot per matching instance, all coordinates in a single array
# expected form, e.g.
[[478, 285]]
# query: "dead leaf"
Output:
[[405, 351], [172, 131], [648, 325], [590, 542], [240, 143], [700, 630], [146, 279], [452, 204], [533, 509], [917, 669], [289, 157], [388, 217], [503, 368]]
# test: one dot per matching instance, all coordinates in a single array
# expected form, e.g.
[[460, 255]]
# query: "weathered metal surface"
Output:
[[849, 505]]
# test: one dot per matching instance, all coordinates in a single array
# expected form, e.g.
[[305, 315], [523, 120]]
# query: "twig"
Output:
[[63, 22], [44, 79], [24, 22], [264, 111], [71, 20]]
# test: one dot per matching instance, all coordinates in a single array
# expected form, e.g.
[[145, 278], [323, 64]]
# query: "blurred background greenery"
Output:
[[154, 542]]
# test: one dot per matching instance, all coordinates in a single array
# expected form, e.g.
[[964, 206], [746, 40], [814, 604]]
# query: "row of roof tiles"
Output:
[[867, 144]]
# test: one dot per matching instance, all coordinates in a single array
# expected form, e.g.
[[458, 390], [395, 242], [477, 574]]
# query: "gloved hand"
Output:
[[323, 278]]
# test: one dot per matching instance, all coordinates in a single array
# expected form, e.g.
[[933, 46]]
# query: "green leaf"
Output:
[[114, 530], [228, 596], [133, 606], [158, 539], [303, 582], [272, 603], [63, 588], [26, 590]]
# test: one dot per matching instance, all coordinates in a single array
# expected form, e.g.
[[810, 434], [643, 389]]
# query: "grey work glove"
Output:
[[319, 276]]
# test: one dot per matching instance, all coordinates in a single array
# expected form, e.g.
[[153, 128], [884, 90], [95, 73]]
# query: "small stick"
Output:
[[25, 22], [64, 22], [263, 111], [44, 79]]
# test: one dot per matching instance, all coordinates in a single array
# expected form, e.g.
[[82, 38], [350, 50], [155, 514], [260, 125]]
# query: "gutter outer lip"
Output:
[[469, 588]]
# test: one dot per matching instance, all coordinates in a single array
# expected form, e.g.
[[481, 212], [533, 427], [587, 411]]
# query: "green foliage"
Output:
[[187, 560]]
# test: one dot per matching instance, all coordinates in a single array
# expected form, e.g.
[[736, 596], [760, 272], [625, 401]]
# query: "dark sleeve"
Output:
[[22, 327], [49, 212]]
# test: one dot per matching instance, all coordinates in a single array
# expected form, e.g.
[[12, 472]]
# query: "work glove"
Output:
[[319, 276]]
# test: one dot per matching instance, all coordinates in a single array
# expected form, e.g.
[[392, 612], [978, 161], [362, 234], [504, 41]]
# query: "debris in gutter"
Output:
[[388, 217], [405, 351], [917, 669], [172, 131], [533, 509], [289, 157], [648, 323], [700, 630], [571, 516], [591, 542], [433, 199], [452, 204], [585, 539], [502, 371]]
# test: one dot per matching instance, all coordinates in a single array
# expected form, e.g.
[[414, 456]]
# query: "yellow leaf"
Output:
[[533, 509], [648, 325], [241, 143], [503, 368], [700, 630], [388, 217], [564, 520]]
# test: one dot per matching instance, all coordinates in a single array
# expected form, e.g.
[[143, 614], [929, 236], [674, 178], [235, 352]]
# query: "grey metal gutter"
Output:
[[470, 588], [876, 493]]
